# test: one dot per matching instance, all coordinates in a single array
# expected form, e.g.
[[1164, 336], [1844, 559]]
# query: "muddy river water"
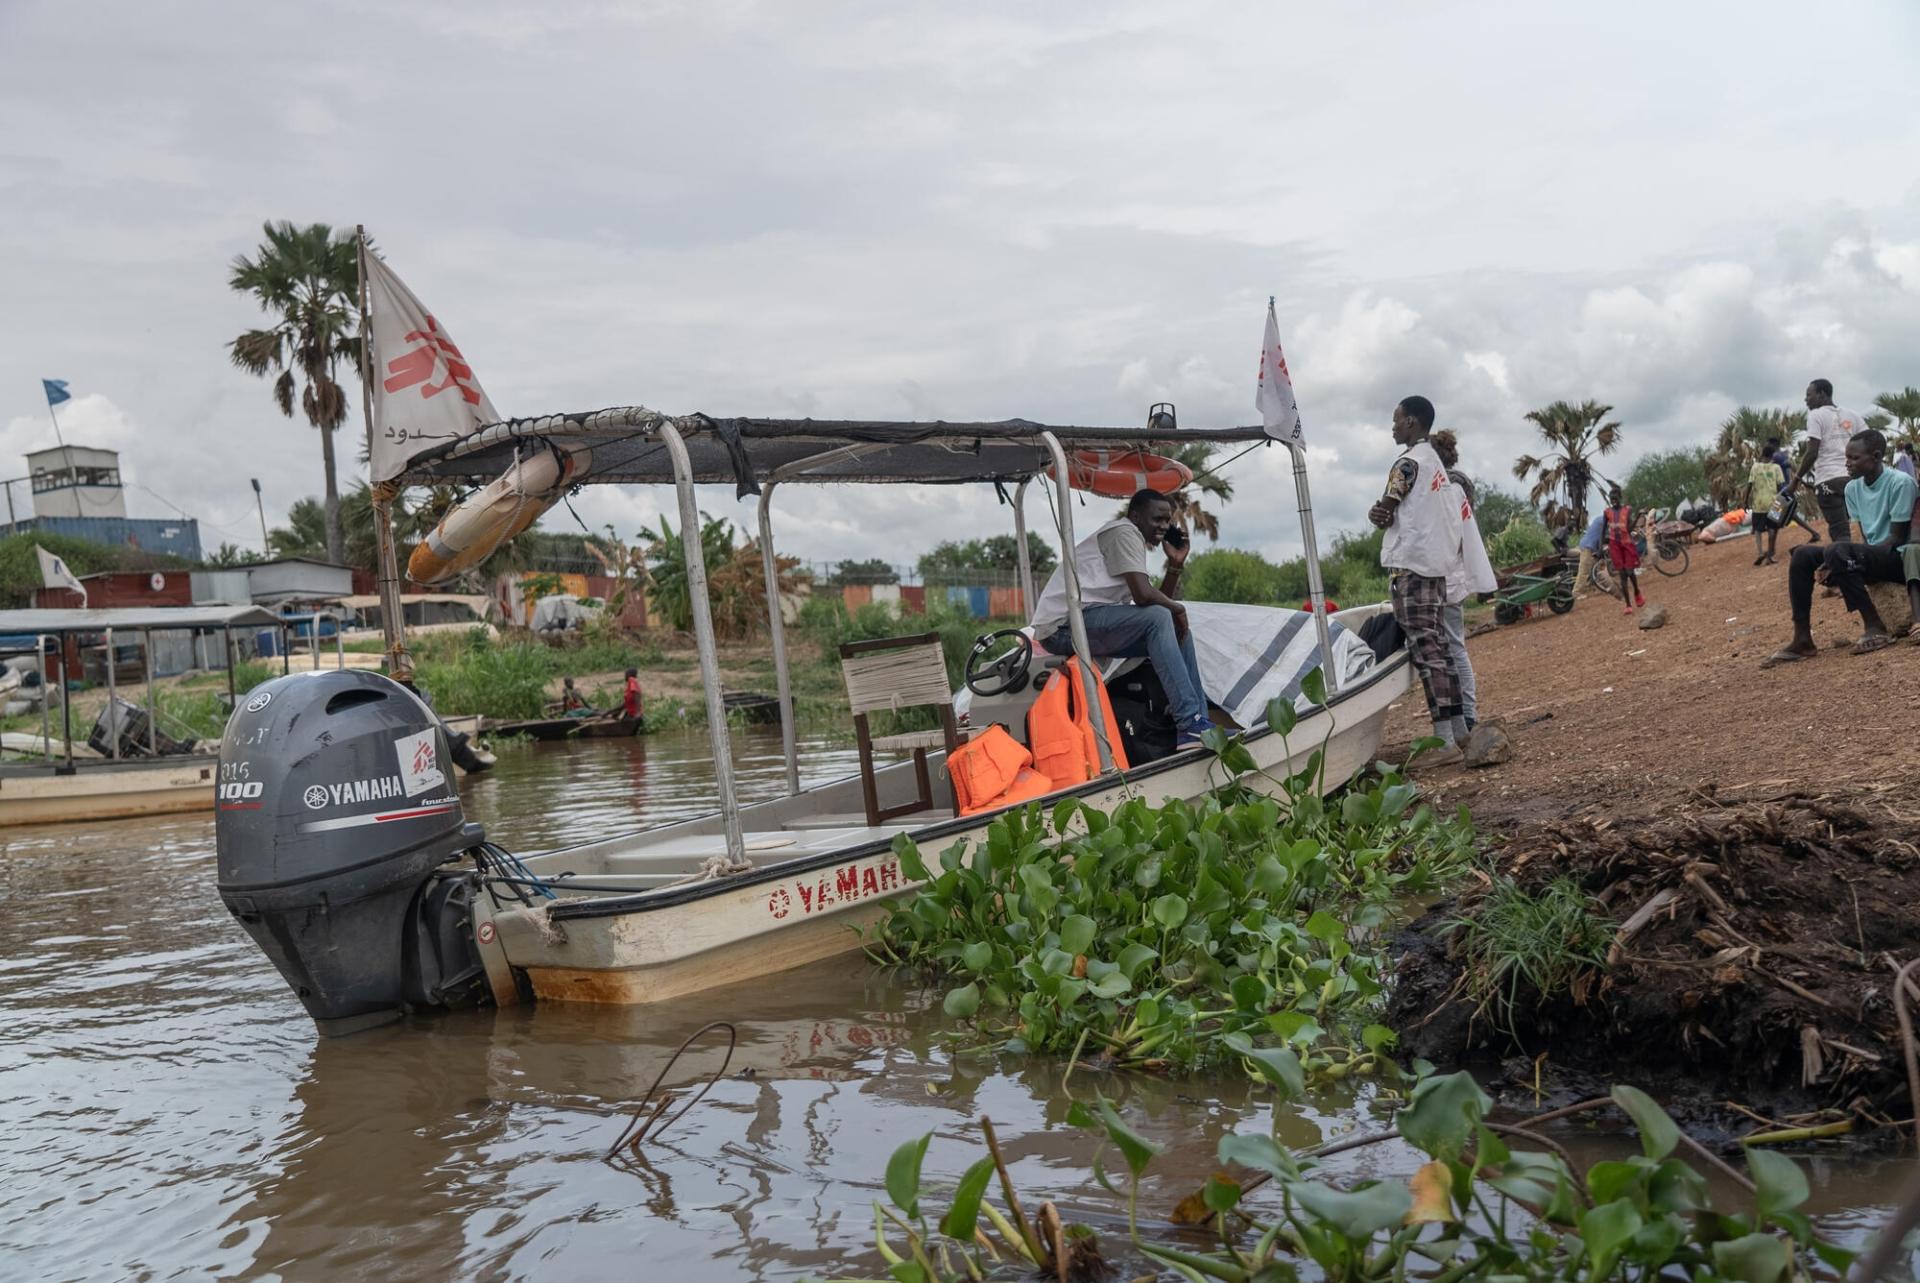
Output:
[[166, 1110]]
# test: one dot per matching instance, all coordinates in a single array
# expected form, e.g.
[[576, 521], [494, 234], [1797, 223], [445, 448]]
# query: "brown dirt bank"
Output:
[[1771, 818]]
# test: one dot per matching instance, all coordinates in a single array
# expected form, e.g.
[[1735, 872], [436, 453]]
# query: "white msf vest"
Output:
[[1426, 533]]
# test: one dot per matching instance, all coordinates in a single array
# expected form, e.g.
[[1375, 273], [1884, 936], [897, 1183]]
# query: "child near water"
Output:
[[1621, 550]]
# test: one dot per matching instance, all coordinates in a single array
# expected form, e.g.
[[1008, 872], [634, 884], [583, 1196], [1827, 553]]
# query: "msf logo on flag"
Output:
[[418, 367]]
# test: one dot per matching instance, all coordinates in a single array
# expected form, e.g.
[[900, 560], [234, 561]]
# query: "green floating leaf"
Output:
[[1443, 1112], [1780, 1183], [903, 1175], [976, 955], [1111, 985], [1658, 1133], [962, 1002], [1282, 716], [1357, 1216], [1076, 933], [1261, 1153], [1314, 685], [1170, 911], [1136, 1149], [1221, 1195], [908, 1272], [1378, 1038], [964, 1215], [908, 854], [1134, 957], [1753, 1258], [1278, 1065], [1063, 812], [1325, 927], [1607, 1230]]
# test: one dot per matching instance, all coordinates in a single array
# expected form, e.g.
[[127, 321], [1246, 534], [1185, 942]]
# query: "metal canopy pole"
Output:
[[46, 708], [777, 630], [776, 623], [1020, 537], [66, 703], [703, 639], [233, 697], [153, 716], [386, 559], [1328, 669], [113, 702], [1075, 623]]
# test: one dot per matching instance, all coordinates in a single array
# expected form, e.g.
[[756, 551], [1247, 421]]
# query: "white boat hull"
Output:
[[103, 791], [816, 882]]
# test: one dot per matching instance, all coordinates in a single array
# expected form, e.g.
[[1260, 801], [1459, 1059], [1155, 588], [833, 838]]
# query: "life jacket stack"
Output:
[[993, 770]]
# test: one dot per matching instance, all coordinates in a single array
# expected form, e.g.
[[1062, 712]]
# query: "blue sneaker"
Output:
[[1189, 736]]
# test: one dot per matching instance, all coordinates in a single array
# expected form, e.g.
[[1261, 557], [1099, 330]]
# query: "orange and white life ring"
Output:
[[1117, 474], [472, 529]]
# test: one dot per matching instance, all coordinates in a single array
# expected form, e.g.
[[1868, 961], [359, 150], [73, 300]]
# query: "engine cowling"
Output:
[[337, 819]]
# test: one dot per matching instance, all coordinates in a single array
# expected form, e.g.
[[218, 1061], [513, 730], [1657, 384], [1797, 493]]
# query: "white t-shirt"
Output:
[[1832, 426], [1426, 533], [1475, 572], [1115, 549]]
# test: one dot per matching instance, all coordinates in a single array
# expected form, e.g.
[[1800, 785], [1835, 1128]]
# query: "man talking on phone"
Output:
[[1125, 614]]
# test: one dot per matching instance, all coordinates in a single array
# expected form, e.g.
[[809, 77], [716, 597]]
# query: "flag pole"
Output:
[[1303, 498], [387, 560], [51, 414]]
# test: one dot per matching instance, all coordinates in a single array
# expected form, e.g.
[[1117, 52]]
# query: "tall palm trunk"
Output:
[[336, 539]]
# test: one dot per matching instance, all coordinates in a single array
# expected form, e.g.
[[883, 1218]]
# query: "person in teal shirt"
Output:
[[1880, 504]]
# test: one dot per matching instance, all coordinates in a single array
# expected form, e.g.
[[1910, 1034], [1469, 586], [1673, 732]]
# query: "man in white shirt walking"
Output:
[[1421, 513], [1824, 459], [1123, 611]]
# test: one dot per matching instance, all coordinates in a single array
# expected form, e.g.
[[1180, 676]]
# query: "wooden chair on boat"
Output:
[[898, 673]]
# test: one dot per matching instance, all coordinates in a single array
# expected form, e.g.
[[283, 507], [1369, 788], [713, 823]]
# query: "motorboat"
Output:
[[363, 883]]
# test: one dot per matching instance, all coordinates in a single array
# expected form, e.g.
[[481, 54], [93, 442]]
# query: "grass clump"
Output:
[[1517, 942]]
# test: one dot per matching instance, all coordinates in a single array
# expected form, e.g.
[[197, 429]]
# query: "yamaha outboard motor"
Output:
[[337, 811]]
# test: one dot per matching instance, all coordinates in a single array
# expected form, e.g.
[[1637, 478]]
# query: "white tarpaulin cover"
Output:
[[424, 391], [1251, 654]]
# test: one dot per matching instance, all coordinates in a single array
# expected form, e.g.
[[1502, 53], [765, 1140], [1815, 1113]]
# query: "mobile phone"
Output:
[[1175, 537]]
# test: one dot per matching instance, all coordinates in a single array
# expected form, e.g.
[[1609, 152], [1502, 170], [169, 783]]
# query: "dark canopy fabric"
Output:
[[627, 448]]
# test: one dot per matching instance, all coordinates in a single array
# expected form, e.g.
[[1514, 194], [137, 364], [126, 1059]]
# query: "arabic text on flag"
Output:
[[424, 390]]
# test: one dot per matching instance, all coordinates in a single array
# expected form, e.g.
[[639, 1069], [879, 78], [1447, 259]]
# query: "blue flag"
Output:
[[56, 391]]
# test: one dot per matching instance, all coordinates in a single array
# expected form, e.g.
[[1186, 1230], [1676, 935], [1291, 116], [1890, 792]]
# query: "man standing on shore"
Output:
[[1829, 428], [1420, 512], [1881, 501]]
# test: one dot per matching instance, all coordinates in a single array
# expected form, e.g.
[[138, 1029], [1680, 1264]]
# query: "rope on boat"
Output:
[[641, 1126]]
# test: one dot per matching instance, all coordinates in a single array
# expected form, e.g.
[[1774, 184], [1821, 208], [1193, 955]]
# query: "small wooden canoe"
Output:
[[560, 728]]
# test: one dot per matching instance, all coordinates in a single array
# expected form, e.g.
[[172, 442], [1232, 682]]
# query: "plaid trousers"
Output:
[[1418, 601]]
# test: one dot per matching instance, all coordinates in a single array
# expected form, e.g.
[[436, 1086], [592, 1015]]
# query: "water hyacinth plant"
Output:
[[1238, 928], [1484, 1203]]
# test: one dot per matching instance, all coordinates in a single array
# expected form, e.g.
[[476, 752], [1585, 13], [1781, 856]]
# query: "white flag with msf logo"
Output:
[[424, 392], [1274, 399], [54, 573]]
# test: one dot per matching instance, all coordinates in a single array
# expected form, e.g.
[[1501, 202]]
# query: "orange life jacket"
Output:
[[993, 769], [1060, 730]]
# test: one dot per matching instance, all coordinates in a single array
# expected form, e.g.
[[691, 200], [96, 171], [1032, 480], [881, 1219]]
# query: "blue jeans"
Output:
[[1135, 631]]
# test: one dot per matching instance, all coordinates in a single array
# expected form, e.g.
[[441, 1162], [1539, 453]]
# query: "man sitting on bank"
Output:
[[1880, 502], [1125, 614]]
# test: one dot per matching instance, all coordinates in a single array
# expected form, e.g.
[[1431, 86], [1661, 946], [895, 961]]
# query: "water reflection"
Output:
[[171, 1113]]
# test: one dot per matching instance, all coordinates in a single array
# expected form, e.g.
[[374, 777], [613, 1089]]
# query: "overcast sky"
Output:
[[968, 211]]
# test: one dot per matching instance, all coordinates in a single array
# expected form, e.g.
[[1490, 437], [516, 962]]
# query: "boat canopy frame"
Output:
[[634, 445]]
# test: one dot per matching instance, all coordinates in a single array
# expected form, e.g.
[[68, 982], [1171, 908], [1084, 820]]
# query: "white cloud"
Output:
[[971, 211]]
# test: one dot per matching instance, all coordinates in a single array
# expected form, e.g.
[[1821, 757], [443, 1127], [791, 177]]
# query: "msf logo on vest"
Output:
[[319, 796]]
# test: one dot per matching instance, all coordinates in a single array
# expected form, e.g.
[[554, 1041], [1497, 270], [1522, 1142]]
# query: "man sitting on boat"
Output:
[[1125, 614]]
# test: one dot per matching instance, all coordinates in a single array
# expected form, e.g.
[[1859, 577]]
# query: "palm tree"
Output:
[[1577, 437], [305, 278], [1739, 443], [1904, 406]]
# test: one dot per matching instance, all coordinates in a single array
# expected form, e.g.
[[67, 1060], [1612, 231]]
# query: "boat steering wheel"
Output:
[[1004, 674]]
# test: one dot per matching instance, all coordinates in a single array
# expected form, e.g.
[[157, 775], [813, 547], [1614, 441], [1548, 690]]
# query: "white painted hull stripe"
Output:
[[383, 817]]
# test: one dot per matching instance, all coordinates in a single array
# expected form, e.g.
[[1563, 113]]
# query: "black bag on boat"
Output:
[[1382, 634], [1140, 706]]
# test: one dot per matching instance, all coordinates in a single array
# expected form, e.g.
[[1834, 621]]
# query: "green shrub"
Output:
[[1519, 944], [1234, 575], [1523, 540]]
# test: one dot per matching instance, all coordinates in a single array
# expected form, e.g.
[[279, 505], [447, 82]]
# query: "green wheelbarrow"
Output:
[[1518, 593]]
